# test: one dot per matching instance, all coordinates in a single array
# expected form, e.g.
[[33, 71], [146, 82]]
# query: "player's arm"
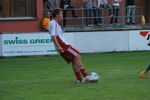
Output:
[[54, 39], [52, 31]]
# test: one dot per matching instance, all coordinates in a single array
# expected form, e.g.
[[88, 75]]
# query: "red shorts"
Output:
[[69, 54]]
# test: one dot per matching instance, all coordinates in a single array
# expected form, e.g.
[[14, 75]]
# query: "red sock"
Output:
[[83, 71], [77, 74]]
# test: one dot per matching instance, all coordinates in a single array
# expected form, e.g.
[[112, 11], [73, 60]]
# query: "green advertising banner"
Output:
[[27, 44]]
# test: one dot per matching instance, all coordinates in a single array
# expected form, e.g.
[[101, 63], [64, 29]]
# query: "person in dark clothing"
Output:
[[66, 6], [50, 5]]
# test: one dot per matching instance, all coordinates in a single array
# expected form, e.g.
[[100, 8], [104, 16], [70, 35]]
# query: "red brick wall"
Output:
[[35, 26], [147, 10], [24, 26]]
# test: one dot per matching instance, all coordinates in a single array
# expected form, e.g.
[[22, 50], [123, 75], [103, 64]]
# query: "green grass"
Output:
[[50, 78]]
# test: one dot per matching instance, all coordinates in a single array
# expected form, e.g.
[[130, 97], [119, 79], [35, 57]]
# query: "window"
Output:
[[1, 8], [17, 9]]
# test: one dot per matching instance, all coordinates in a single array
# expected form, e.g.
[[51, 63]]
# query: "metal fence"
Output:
[[79, 21]]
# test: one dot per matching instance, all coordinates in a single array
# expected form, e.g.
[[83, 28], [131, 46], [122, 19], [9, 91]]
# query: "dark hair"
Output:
[[56, 12]]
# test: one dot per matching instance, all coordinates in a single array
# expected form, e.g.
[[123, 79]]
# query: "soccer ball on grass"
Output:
[[92, 77]]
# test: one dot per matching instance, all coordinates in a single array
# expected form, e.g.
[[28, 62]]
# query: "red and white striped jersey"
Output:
[[55, 30]]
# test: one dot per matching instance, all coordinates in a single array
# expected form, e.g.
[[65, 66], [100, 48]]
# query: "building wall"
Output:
[[147, 7], [24, 26], [35, 25]]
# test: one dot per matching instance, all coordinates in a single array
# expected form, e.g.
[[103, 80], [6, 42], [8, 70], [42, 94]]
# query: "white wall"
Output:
[[109, 41], [137, 42], [85, 42], [101, 41]]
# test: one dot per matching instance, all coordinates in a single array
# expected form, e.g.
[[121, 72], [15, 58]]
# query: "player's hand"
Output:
[[60, 49]]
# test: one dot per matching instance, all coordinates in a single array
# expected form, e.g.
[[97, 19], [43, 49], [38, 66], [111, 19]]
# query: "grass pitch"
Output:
[[50, 78]]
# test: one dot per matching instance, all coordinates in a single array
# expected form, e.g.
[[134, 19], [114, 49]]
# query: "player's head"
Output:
[[57, 14]]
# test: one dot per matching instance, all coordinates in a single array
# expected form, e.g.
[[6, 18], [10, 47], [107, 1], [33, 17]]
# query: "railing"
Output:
[[80, 23]]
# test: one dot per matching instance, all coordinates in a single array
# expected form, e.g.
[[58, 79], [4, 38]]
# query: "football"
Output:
[[93, 77]]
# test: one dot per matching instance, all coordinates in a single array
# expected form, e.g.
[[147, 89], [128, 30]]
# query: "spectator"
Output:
[[45, 21], [88, 11], [130, 12], [95, 11], [66, 5], [98, 13], [104, 4], [116, 7], [50, 5], [45, 5]]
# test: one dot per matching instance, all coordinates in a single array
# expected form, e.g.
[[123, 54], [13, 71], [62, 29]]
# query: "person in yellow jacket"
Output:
[[46, 21]]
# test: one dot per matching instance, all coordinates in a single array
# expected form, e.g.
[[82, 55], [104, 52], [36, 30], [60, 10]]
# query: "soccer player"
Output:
[[70, 54], [143, 73]]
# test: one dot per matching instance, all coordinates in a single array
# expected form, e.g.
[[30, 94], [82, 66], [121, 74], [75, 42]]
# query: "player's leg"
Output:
[[78, 63], [78, 66], [76, 72], [143, 73], [72, 55], [148, 68]]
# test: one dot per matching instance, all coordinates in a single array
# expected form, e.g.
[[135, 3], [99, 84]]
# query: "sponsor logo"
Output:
[[25, 41]]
